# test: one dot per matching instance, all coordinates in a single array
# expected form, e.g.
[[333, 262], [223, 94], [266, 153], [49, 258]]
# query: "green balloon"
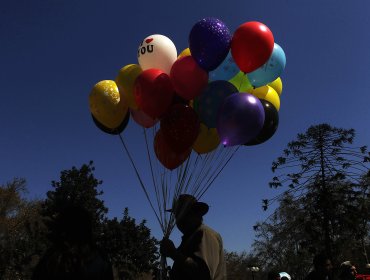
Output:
[[241, 82]]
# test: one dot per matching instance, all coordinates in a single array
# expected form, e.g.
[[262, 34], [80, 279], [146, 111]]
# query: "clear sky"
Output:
[[53, 52]]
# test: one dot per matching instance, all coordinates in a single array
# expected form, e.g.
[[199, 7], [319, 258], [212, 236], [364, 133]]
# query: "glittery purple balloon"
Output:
[[240, 119], [209, 43]]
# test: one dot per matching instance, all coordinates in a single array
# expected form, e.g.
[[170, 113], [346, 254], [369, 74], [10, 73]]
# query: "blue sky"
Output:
[[53, 52]]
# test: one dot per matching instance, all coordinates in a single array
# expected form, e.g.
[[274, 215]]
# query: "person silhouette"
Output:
[[73, 254], [273, 275], [200, 254], [347, 271], [322, 268]]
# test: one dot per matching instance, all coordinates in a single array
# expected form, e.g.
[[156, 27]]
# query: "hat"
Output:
[[346, 264], [284, 274], [186, 202]]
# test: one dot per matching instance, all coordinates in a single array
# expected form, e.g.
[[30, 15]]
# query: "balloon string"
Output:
[[241, 83], [152, 173], [218, 173], [141, 182]]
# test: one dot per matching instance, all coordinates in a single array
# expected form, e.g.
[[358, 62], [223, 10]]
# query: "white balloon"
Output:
[[157, 51]]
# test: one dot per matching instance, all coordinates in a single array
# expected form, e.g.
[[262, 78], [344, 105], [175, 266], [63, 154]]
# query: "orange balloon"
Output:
[[207, 140]]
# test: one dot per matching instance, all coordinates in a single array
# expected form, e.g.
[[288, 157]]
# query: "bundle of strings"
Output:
[[194, 176]]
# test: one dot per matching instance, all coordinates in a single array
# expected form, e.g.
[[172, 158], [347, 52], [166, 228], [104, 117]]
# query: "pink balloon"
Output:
[[142, 119]]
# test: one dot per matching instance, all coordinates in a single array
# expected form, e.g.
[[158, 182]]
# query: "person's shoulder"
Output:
[[311, 276], [207, 231]]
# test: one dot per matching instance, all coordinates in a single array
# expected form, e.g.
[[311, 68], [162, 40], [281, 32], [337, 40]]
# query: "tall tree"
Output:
[[283, 241], [325, 192]]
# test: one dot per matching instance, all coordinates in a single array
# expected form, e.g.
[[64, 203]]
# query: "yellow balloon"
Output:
[[185, 52], [106, 105], [277, 85], [267, 93], [207, 140], [241, 82], [126, 80]]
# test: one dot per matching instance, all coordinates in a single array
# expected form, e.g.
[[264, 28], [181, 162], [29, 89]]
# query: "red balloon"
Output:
[[188, 78], [180, 127], [166, 155], [252, 45], [153, 92]]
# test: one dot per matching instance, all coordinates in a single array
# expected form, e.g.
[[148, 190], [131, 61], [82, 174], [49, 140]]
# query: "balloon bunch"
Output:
[[224, 88]]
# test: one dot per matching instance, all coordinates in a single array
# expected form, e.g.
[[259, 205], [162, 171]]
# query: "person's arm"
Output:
[[193, 267]]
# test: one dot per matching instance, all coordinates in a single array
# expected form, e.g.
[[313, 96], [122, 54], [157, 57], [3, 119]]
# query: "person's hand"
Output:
[[167, 248]]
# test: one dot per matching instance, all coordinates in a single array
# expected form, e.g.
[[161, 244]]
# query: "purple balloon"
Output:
[[240, 119], [209, 43]]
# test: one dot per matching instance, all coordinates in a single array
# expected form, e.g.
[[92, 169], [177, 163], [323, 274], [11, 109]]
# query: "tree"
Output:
[[129, 247], [239, 265], [132, 250], [77, 187], [282, 242], [323, 177], [21, 231]]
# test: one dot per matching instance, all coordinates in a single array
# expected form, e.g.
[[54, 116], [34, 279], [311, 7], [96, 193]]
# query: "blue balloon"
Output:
[[227, 70], [240, 119], [271, 70], [209, 43], [211, 100]]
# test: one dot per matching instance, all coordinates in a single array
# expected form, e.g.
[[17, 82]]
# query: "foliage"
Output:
[[77, 187], [324, 205], [131, 248], [21, 231], [238, 265]]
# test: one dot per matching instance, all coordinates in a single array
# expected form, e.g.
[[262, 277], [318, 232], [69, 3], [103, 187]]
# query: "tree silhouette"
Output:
[[129, 247], [322, 167], [76, 187], [132, 250]]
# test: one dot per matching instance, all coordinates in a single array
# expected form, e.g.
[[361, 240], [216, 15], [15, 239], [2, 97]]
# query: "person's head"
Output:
[[273, 275], [188, 212], [347, 271], [322, 264]]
